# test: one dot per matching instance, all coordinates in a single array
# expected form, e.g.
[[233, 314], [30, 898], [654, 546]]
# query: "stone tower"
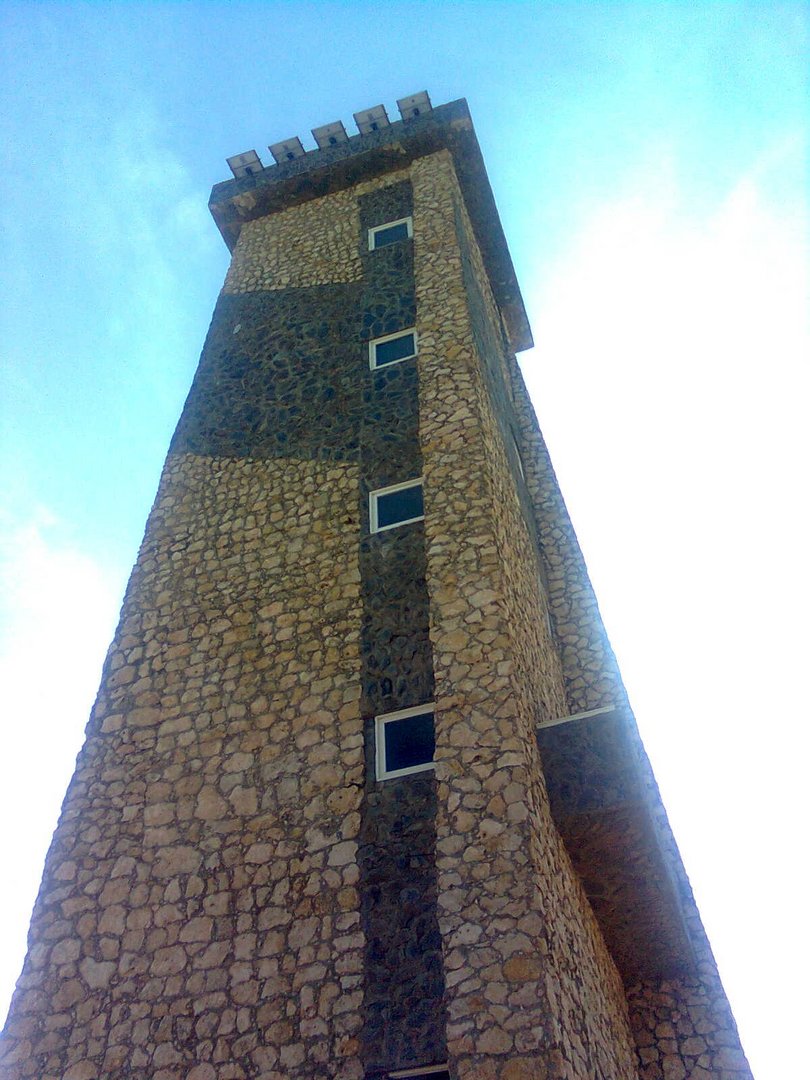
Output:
[[362, 795]]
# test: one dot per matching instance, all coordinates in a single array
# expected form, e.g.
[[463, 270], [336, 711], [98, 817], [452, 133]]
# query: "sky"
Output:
[[649, 165]]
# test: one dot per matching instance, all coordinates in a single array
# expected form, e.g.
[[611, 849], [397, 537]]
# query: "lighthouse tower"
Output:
[[362, 795]]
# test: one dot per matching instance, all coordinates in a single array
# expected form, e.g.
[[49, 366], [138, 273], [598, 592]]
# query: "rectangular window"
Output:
[[396, 505], [406, 743], [392, 348], [390, 233]]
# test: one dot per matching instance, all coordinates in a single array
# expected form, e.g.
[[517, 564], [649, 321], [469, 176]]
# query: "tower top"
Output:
[[302, 175]]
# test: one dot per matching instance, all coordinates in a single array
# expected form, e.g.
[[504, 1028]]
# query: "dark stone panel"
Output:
[[590, 765], [404, 976], [281, 375], [386, 204], [389, 298], [404, 1022], [389, 438], [601, 808], [397, 659]]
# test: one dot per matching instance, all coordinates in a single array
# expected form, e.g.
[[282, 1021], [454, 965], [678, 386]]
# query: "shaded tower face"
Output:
[[361, 794]]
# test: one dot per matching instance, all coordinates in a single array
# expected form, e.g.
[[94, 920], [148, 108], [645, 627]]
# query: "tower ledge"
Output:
[[603, 801]]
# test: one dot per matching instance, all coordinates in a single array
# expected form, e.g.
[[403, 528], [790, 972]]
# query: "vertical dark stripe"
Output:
[[404, 977]]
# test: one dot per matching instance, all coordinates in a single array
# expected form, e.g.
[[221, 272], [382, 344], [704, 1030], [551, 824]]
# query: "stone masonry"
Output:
[[518, 979], [231, 892]]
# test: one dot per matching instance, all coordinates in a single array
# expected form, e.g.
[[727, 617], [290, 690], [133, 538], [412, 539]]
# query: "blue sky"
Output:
[[649, 164]]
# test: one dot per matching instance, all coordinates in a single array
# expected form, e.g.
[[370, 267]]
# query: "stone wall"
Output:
[[591, 673], [685, 1031], [311, 244], [199, 915], [531, 989]]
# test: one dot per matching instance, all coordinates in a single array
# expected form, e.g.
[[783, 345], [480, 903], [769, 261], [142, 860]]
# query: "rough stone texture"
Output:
[[404, 1021], [531, 988], [315, 243], [311, 244], [200, 901], [685, 1031], [592, 678]]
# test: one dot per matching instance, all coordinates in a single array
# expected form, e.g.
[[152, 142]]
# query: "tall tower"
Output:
[[362, 794]]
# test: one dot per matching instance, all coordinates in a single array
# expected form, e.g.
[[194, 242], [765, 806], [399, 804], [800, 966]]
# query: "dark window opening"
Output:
[[397, 506], [388, 351], [390, 234], [406, 742]]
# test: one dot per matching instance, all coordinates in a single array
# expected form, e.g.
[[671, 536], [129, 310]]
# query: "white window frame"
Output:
[[372, 232], [374, 342], [383, 774], [426, 1070], [518, 455], [373, 497]]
